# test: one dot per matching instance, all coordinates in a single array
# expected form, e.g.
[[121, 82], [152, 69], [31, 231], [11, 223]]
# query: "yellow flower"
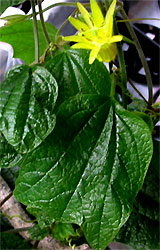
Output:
[[95, 33]]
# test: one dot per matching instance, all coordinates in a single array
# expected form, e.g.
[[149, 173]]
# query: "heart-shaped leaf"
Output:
[[89, 170], [74, 74], [26, 107], [21, 37]]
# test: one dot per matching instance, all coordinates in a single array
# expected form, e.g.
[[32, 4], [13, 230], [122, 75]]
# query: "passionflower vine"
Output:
[[95, 33]]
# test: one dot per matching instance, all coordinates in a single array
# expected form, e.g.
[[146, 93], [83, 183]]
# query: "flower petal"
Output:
[[116, 38], [108, 52], [75, 39], [90, 34], [93, 54], [82, 46], [85, 14], [109, 19], [78, 24], [96, 13]]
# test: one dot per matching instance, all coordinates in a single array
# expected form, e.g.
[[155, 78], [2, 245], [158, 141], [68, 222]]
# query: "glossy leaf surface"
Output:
[[81, 174], [74, 75], [142, 229], [8, 155], [21, 37], [4, 4], [26, 107]]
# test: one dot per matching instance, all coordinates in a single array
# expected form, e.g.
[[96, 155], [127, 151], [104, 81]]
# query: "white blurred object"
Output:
[[6, 59], [10, 11], [6, 51], [144, 9], [45, 4]]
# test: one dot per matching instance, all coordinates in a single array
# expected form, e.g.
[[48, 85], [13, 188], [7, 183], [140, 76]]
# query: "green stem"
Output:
[[69, 4], [139, 93], [137, 19], [142, 58], [123, 70], [18, 216], [35, 28], [64, 24], [43, 23], [113, 86]]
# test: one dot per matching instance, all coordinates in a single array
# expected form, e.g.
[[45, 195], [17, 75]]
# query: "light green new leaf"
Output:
[[28, 96], [21, 37], [14, 19], [4, 4], [89, 169]]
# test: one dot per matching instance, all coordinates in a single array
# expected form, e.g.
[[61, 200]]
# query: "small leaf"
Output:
[[82, 174], [62, 231], [137, 105], [8, 155], [26, 107], [14, 19], [21, 37], [6, 3], [38, 233]]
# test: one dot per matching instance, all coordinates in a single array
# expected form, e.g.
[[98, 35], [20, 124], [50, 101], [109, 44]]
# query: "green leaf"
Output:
[[146, 118], [8, 155], [62, 231], [74, 74], [21, 37], [137, 105], [154, 166], [140, 232], [90, 169], [4, 4], [14, 241], [26, 107], [142, 229], [38, 233], [14, 19]]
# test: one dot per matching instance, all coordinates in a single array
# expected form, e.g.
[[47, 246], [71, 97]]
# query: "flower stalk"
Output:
[[43, 23], [142, 58], [35, 29], [123, 70]]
